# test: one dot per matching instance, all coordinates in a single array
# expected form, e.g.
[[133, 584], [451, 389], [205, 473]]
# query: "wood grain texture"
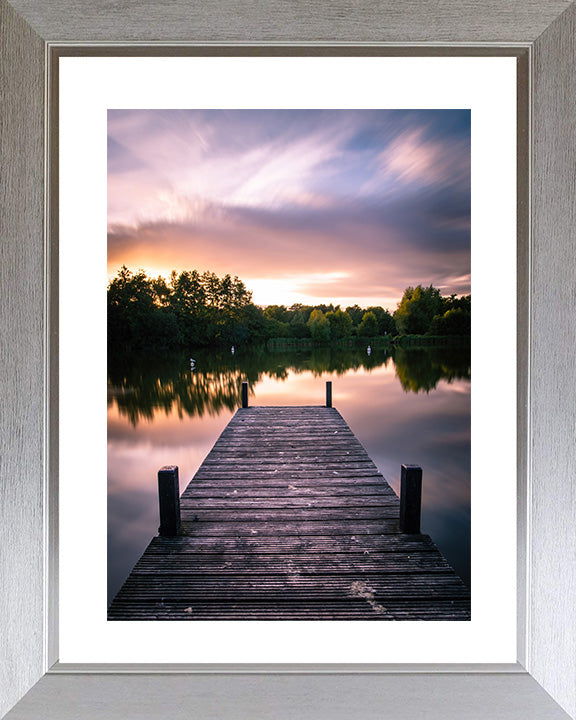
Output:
[[277, 524], [21, 356], [305, 697], [277, 21], [552, 628]]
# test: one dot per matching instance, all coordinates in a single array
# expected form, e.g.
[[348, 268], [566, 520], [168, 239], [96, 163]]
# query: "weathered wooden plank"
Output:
[[257, 516], [292, 587], [289, 518], [344, 564], [320, 613], [403, 605], [266, 487], [276, 529], [287, 500], [302, 461], [285, 469], [273, 481], [235, 502], [308, 543], [440, 609], [292, 439], [295, 457], [337, 446], [260, 492]]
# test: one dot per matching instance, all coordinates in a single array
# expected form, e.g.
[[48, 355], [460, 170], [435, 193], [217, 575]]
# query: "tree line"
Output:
[[193, 309]]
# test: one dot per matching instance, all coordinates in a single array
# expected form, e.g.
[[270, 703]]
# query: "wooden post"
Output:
[[410, 498], [244, 394], [169, 501], [329, 393]]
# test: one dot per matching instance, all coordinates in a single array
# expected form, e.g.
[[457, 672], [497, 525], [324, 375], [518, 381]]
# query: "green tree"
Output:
[[319, 326], [254, 325], [161, 292], [386, 324], [340, 324], [356, 313], [452, 322], [139, 313], [192, 309], [277, 312], [277, 329], [298, 327], [458, 303], [369, 326], [189, 302], [417, 308]]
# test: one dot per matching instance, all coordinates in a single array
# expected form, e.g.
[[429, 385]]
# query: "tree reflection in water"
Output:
[[420, 369], [141, 386]]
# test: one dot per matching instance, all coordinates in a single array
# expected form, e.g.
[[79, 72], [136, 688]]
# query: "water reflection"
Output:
[[421, 369], [142, 386], [405, 406]]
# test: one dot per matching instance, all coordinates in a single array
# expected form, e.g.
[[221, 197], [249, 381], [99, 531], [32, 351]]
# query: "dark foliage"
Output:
[[195, 310]]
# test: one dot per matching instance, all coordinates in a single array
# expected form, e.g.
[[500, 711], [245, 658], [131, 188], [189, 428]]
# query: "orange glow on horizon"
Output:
[[282, 290]]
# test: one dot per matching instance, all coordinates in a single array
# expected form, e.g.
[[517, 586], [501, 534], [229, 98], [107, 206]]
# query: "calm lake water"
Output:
[[409, 407]]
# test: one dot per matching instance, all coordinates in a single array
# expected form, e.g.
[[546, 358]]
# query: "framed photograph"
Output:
[[525, 666], [332, 191]]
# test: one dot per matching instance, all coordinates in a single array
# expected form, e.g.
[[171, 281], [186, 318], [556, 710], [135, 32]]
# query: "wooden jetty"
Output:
[[289, 519]]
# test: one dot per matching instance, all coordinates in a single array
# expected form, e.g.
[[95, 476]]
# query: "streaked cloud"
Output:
[[412, 159], [339, 204]]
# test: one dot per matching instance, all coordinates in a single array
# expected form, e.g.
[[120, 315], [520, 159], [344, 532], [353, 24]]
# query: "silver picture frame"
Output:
[[542, 684]]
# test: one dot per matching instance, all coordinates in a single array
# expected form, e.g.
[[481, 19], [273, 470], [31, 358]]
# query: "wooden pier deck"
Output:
[[289, 519]]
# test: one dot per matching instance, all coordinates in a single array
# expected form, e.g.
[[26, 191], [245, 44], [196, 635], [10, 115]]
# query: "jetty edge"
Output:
[[288, 518]]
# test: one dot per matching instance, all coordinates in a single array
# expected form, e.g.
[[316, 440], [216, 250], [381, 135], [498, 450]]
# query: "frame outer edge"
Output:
[[240, 21], [22, 356], [435, 696], [551, 656], [552, 568]]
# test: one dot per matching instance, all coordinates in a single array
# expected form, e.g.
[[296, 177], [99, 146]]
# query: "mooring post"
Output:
[[329, 393], [169, 501], [410, 498], [244, 394]]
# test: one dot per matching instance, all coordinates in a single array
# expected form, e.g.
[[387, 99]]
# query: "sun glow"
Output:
[[290, 289], [152, 271]]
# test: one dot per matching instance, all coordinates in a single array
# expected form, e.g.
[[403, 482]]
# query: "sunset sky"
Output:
[[304, 206]]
